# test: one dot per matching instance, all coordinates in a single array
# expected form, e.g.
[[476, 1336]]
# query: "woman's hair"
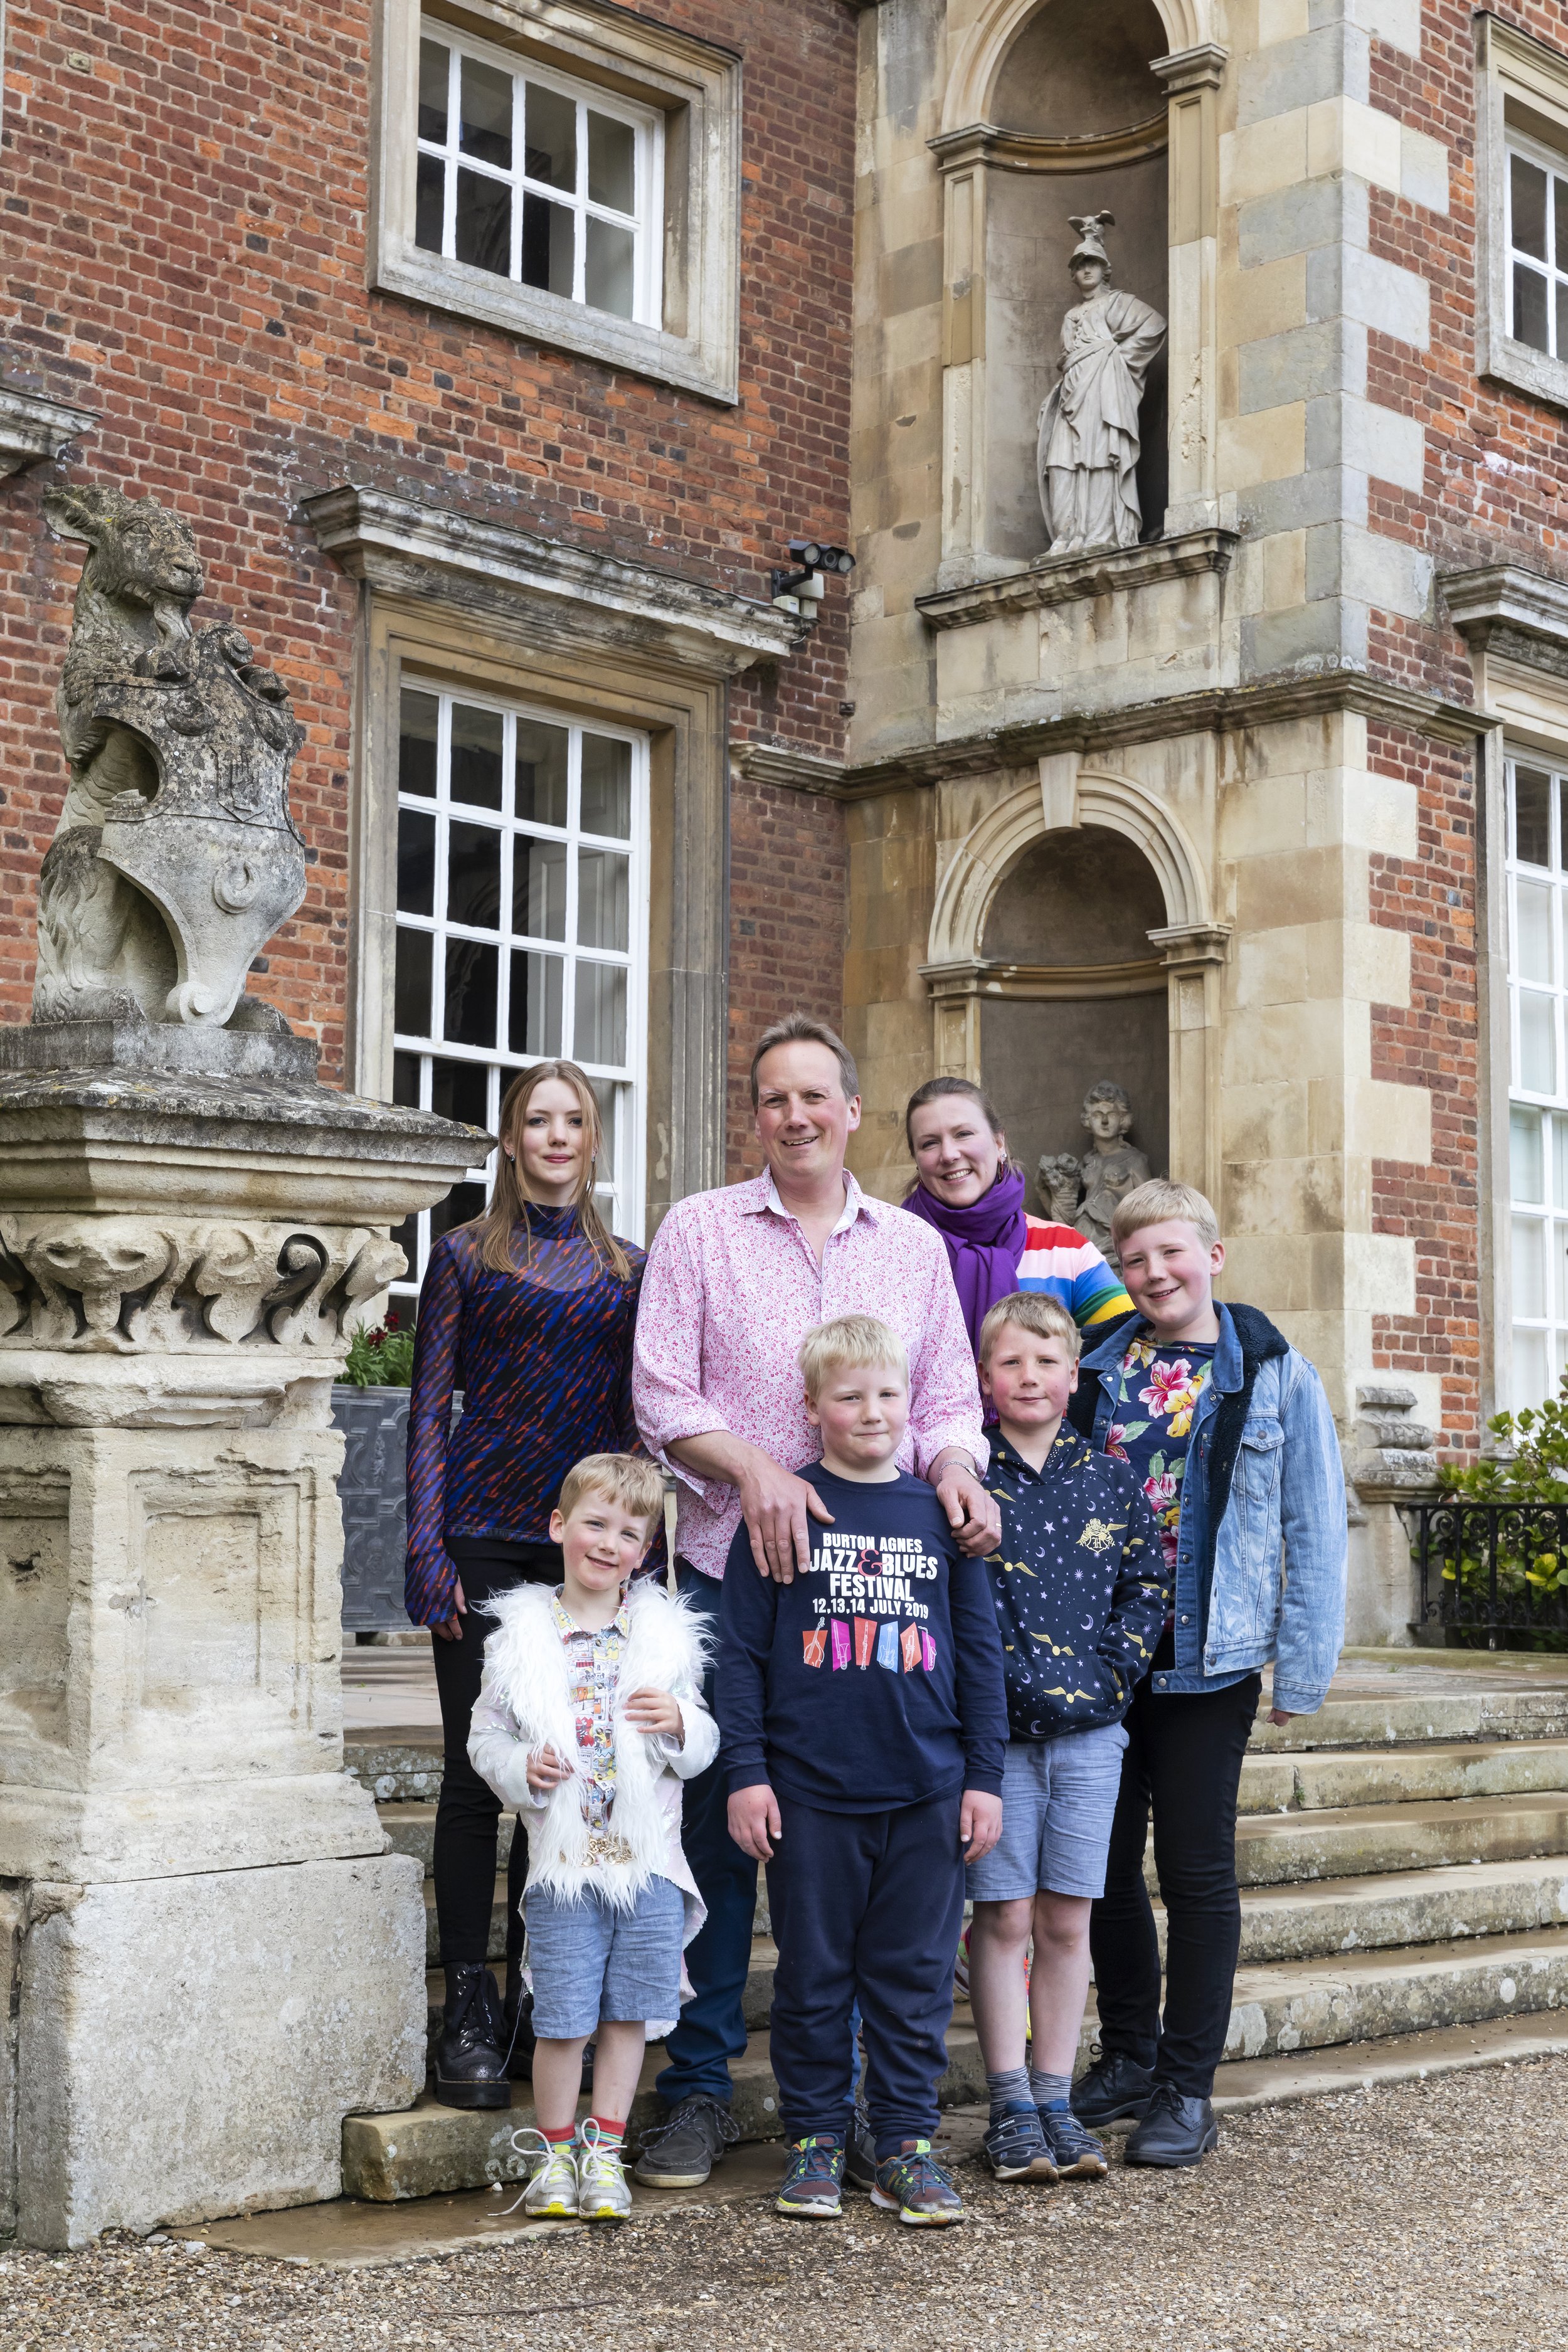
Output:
[[1030, 1310], [849, 1339], [934, 1090], [629, 1479], [497, 1229]]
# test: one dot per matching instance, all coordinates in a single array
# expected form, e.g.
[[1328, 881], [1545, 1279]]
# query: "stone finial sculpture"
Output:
[[1089, 444], [1084, 1192], [175, 857]]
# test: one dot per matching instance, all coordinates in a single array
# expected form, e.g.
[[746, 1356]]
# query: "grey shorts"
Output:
[[1058, 1799], [591, 1962]]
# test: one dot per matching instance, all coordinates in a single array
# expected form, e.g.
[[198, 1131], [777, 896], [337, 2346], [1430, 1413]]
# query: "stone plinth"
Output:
[[214, 1960]]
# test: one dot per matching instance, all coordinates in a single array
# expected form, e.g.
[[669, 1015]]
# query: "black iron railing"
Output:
[[1493, 1568]]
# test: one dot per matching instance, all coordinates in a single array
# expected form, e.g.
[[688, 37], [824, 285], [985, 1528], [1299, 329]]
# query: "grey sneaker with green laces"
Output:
[[680, 2152], [914, 2185], [813, 2179]]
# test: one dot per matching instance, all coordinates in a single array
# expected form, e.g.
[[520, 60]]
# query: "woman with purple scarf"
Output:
[[969, 1189]]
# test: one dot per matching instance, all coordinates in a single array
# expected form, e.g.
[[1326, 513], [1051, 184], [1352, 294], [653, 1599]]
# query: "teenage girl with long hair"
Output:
[[528, 1311]]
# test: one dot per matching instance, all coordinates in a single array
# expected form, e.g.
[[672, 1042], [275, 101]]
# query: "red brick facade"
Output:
[[185, 230]]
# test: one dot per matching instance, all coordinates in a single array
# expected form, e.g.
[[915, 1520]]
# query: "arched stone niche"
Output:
[[1054, 107], [1075, 88], [1080, 995], [1072, 940]]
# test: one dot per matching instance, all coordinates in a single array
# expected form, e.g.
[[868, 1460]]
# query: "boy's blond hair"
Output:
[[1031, 1310], [848, 1340], [1156, 1203], [629, 1479]]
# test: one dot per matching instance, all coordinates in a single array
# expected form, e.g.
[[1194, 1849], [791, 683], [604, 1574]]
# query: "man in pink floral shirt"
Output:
[[734, 1280]]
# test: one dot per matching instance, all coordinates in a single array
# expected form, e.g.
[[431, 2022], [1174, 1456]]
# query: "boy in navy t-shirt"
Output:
[[863, 1720]]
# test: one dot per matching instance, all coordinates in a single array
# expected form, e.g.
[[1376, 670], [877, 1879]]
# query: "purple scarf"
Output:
[[985, 1244]]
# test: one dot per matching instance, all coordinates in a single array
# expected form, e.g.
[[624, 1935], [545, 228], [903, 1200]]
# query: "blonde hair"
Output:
[[1157, 1203], [629, 1479], [510, 1202], [1031, 1310], [848, 1340]]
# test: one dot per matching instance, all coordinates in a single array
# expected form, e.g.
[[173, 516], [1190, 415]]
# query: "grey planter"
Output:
[[375, 1423]]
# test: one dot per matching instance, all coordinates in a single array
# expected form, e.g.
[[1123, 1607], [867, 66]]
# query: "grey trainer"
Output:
[[680, 2152]]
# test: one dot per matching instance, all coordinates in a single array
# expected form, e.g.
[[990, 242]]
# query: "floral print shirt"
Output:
[[593, 1666], [1152, 1418]]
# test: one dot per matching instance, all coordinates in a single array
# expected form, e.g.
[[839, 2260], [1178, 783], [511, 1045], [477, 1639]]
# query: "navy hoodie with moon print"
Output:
[[1079, 1586]]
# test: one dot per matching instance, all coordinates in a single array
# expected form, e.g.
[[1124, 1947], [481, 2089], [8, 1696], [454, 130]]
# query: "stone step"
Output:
[[1325, 1916], [1419, 1720], [1333, 1780], [1277, 2012], [1277, 1849], [429, 2150]]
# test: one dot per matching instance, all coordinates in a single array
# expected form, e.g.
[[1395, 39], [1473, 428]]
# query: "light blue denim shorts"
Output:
[[1059, 1800], [591, 1962]]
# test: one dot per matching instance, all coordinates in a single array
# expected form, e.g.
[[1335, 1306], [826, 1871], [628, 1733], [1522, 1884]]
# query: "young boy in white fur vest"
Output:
[[589, 1717]]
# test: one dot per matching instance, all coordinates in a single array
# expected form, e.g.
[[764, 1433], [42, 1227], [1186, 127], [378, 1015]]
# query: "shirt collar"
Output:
[[1064, 1448], [765, 1195], [619, 1624]]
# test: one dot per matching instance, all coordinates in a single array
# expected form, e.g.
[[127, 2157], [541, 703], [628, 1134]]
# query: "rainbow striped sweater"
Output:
[[1057, 1260]]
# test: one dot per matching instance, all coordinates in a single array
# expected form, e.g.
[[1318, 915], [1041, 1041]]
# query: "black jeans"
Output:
[[1183, 1762], [468, 1812]]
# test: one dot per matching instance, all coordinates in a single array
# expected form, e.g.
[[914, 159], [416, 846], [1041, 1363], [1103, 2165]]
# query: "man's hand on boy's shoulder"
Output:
[[753, 1819], [974, 1516], [979, 1823]]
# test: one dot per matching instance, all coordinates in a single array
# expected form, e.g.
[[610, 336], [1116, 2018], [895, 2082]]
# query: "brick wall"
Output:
[[1497, 462], [1432, 1043], [184, 250]]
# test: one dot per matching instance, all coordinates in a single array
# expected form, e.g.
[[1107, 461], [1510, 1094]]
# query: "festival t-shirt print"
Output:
[[872, 1609]]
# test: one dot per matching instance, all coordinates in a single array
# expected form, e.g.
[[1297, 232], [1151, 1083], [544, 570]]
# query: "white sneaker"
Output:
[[602, 2192], [552, 2191]]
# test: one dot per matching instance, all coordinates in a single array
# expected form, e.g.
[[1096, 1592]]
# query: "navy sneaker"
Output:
[[813, 2179], [1076, 2154], [1015, 2147]]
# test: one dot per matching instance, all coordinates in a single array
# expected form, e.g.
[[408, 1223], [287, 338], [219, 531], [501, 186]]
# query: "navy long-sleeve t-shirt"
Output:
[[875, 1679]]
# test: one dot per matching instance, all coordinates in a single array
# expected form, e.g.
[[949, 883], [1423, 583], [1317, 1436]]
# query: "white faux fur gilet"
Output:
[[524, 1706]]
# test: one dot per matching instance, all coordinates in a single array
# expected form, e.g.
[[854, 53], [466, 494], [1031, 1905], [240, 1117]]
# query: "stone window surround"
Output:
[[1515, 622], [1520, 83], [697, 88], [486, 606], [35, 428]]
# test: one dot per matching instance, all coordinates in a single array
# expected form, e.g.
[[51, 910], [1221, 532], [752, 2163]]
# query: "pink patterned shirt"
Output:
[[730, 1291]]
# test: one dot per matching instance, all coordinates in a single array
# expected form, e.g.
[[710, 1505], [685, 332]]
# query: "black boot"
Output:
[[517, 2021], [470, 2070]]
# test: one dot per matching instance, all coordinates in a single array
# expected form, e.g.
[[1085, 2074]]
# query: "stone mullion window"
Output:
[[1538, 1108], [521, 928], [1538, 249]]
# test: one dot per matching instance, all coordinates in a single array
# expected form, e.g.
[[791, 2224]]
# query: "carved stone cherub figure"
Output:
[[175, 857], [1060, 1186], [1087, 444], [1114, 1167]]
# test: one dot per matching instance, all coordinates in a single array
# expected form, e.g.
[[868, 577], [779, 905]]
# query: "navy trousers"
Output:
[[868, 1905], [712, 2028]]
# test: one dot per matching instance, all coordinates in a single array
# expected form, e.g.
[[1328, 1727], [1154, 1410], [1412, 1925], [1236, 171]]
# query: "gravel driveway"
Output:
[[1400, 2220]]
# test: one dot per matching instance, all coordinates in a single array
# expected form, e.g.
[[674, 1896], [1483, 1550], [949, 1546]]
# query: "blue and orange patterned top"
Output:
[[543, 1359]]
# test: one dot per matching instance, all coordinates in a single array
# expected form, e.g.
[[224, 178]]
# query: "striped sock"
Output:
[[1049, 2090], [1008, 2089], [611, 2134], [560, 2138]]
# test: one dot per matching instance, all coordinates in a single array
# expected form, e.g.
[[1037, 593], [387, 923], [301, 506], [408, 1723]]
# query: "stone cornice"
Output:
[[1202, 67], [1218, 710], [1021, 151], [561, 590], [33, 429], [1066, 579], [777, 764], [1496, 598]]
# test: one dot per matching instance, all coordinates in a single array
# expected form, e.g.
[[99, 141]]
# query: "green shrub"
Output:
[[1529, 1470], [382, 1359]]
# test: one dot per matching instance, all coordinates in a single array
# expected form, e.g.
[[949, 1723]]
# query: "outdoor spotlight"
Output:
[[812, 557]]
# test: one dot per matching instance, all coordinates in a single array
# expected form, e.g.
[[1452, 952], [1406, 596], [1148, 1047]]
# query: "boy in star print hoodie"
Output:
[[1079, 1586]]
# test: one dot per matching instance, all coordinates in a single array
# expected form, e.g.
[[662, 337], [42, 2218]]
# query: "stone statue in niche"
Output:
[[1088, 443], [1084, 1192], [175, 857]]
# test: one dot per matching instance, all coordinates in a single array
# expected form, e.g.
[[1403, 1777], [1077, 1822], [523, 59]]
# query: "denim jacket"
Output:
[[1262, 1544]]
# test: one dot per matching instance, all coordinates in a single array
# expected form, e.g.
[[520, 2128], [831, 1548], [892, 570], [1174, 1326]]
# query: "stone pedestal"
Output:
[[212, 1960]]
